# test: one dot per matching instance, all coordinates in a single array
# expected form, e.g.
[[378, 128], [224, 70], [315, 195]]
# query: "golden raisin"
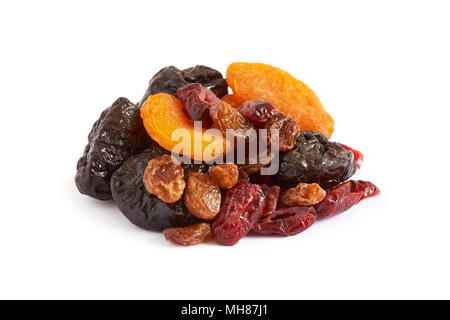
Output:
[[224, 117], [225, 175], [291, 96], [202, 197], [287, 129], [164, 177], [302, 195], [189, 236]]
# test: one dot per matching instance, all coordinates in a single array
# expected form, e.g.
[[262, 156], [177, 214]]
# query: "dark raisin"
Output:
[[138, 205], [287, 129], [115, 136], [358, 155], [170, 79], [314, 159]]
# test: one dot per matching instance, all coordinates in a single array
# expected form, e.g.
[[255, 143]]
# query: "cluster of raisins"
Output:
[[193, 202]]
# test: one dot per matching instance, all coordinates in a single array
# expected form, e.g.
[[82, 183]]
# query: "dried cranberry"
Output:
[[258, 112], [197, 101], [344, 196], [241, 208], [358, 155], [271, 195], [287, 221]]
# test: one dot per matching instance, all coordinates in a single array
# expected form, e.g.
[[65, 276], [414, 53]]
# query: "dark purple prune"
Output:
[[170, 79], [197, 101], [118, 134], [142, 208], [314, 159]]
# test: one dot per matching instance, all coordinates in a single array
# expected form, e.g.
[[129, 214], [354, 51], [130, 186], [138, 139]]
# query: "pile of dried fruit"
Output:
[[128, 157]]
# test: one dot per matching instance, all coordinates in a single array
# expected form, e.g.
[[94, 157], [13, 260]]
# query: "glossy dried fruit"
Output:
[[164, 177], [271, 195], [202, 196], [225, 175], [291, 96], [224, 117], [287, 221], [241, 208], [344, 196], [115, 136], [138, 205], [163, 117], [170, 79], [302, 195], [287, 130], [196, 101], [233, 100], [189, 236], [314, 160], [258, 112], [358, 155]]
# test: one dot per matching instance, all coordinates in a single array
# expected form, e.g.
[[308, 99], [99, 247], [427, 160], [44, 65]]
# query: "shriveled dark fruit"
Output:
[[118, 134], [358, 155], [314, 159], [271, 194], [287, 129], [190, 235], [287, 221], [225, 175], [258, 112], [202, 196], [197, 101], [170, 79], [344, 196], [242, 207], [138, 205]]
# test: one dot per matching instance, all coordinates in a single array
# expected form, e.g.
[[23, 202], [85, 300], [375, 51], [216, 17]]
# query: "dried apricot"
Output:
[[291, 96], [163, 116], [225, 175], [233, 100], [164, 177], [189, 236], [303, 195], [202, 197]]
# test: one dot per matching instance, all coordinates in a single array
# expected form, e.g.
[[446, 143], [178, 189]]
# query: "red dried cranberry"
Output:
[[271, 195], [258, 112]]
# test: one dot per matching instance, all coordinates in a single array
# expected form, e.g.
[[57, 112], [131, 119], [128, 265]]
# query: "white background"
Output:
[[381, 69]]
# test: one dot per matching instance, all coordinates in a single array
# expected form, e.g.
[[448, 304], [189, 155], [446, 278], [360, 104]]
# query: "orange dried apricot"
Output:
[[233, 100], [163, 116], [291, 96]]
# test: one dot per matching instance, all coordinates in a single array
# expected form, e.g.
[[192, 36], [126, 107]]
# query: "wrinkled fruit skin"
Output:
[[314, 159], [138, 205], [358, 155], [225, 175], [344, 196], [241, 209], [164, 178], [258, 112], [197, 101], [224, 117], [287, 221], [202, 196], [188, 236], [288, 131], [271, 195], [305, 194], [117, 135], [170, 79]]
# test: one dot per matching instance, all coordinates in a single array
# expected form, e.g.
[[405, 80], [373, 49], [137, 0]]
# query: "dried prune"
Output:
[[170, 79], [138, 205], [314, 159], [164, 177], [291, 96], [196, 101], [287, 221], [358, 155], [202, 196], [305, 194], [117, 135], [287, 130], [258, 112], [225, 175], [190, 235], [241, 208], [344, 196], [271, 195]]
